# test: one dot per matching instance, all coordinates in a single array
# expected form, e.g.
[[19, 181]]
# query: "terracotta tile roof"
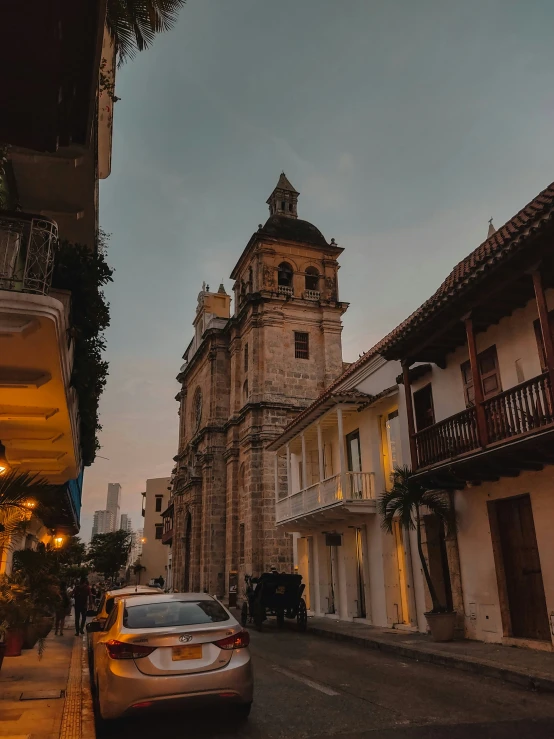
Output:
[[496, 248]]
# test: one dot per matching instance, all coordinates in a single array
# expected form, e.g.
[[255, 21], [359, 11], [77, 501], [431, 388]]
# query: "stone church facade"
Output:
[[244, 377]]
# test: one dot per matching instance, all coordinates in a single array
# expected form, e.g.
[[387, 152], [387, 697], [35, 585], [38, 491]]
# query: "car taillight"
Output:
[[235, 641], [125, 650]]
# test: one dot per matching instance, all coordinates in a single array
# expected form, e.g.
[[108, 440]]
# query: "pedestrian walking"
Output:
[[81, 594], [63, 610]]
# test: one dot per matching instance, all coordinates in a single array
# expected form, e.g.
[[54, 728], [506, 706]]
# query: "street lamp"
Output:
[[4, 466], [58, 541]]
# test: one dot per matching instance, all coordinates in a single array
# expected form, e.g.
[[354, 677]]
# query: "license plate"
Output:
[[190, 652]]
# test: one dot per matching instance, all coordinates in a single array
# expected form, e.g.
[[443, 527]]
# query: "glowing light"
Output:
[[58, 541]]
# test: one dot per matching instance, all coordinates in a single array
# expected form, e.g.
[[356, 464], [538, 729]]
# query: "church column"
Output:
[[276, 477]]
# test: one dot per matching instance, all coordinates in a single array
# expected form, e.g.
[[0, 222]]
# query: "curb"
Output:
[[88, 729], [530, 681]]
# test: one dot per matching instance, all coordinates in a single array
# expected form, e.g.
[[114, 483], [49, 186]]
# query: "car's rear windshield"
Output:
[[111, 601], [173, 613]]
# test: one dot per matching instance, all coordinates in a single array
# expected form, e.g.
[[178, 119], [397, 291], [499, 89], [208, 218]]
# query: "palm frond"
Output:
[[133, 24]]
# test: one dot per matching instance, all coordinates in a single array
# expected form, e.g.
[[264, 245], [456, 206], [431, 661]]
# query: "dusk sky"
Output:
[[404, 125]]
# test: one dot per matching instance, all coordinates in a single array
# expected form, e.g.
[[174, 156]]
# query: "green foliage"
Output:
[[404, 503], [16, 490], [108, 553], [133, 24], [84, 272]]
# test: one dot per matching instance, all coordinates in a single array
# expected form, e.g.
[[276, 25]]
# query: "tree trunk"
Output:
[[437, 607]]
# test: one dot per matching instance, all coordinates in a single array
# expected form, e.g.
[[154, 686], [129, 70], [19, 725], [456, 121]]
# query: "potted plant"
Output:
[[404, 502], [15, 610]]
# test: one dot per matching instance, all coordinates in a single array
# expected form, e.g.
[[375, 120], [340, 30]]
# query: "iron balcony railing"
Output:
[[27, 245], [329, 492]]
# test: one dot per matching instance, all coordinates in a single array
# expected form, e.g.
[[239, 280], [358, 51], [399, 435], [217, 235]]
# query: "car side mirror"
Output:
[[94, 627]]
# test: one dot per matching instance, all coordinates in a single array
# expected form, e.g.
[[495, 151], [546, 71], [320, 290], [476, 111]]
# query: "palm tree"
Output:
[[404, 502], [133, 24], [21, 493]]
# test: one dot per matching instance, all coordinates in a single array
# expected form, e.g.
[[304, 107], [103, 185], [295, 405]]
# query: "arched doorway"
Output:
[[188, 537]]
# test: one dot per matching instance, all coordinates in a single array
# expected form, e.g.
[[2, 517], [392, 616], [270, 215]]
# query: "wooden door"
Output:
[[522, 569], [423, 407]]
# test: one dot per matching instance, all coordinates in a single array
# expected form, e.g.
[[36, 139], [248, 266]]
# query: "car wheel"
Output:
[[242, 711]]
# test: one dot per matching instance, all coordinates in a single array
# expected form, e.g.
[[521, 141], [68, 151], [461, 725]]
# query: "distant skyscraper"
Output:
[[102, 522], [125, 522], [113, 502]]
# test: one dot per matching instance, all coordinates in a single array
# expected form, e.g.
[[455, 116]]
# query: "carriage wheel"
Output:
[[302, 617], [280, 619], [258, 615], [244, 614]]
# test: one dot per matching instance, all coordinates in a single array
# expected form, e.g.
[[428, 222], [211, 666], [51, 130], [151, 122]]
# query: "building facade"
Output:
[[113, 503], [331, 465], [102, 523], [481, 420], [55, 146], [153, 556], [244, 377], [125, 522]]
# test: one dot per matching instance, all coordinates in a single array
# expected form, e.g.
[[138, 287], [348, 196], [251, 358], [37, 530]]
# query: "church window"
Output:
[[282, 205], [246, 357], [312, 279], [284, 277], [301, 345], [242, 477], [245, 391]]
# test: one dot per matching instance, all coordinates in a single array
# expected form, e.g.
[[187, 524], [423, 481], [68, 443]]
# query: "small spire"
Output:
[[222, 289], [283, 201], [492, 229]]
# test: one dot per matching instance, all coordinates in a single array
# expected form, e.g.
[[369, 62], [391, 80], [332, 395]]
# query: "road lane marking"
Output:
[[306, 681]]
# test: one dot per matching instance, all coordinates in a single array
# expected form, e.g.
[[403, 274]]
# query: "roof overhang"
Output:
[[53, 50]]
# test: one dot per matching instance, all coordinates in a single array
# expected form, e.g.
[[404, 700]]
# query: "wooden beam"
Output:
[[477, 387], [410, 413], [548, 343]]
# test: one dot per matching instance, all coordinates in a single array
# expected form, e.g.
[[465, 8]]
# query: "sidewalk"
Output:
[[525, 667], [47, 699]]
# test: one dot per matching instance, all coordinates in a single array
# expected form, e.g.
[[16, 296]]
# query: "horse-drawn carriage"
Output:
[[274, 594]]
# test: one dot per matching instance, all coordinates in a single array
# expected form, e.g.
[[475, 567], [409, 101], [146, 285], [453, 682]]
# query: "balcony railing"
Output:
[[519, 410], [311, 294], [329, 492], [449, 438], [285, 290], [167, 536], [516, 412], [27, 245]]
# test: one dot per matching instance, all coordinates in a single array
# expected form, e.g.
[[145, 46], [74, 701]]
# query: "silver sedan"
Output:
[[170, 651]]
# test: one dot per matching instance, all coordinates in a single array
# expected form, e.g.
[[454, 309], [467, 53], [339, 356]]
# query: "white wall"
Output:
[[476, 551], [154, 553], [514, 337]]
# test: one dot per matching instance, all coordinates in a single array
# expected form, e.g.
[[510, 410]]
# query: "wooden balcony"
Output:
[[346, 492], [167, 536], [521, 413]]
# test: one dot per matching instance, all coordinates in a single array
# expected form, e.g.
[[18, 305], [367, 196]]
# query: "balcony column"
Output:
[[276, 477], [477, 386], [304, 464], [320, 453], [289, 478], [410, 412], [545, 324], [341, 452]]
